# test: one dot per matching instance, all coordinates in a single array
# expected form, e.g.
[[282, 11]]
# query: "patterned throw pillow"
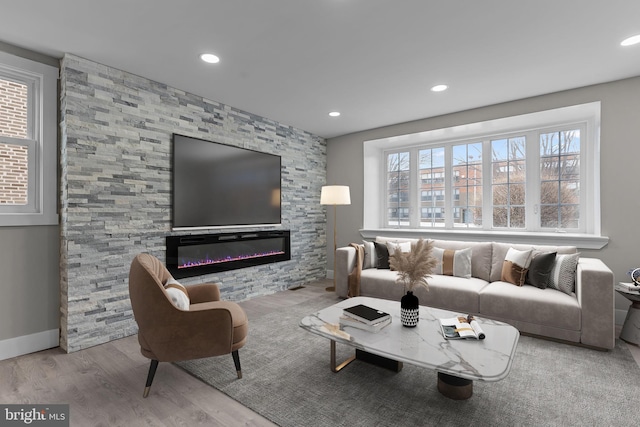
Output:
[[563, 274], [177, 294], [515, 266], [540, 269], [370, 258], [453, 263]]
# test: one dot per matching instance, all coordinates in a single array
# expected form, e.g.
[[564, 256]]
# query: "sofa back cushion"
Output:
[[500, 250], [480, 255]]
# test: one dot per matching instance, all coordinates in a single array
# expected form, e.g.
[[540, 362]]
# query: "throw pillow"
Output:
[[563, 274], [453, 262], [392, 247], [177, 294], [382, 255], [515, 266], [540, 269], [370, 258]]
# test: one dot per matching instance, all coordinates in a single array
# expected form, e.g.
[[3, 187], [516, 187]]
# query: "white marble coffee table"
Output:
[[458, 362]]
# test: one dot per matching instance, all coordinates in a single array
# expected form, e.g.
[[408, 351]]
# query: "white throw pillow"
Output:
[[515, 266], [402, 247], [453, 262], [177, 294]]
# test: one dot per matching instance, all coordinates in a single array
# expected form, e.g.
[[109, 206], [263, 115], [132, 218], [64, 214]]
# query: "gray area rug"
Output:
[[286, 378]]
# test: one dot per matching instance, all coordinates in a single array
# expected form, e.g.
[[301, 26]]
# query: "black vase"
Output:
[[409, 310]]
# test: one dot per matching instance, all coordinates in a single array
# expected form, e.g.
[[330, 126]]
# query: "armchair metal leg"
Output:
[[152, 373], [236, 361]]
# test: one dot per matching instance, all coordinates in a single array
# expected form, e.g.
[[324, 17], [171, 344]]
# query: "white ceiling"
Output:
[[294, 61]]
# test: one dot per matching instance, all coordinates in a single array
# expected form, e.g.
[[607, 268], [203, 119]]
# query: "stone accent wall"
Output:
[[115, 166]]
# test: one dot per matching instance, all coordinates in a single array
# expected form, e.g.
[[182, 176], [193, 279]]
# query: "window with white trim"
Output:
[[28, 142], [542, 178]]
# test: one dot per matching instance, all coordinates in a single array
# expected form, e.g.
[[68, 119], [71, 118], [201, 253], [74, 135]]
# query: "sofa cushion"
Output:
[[515, 266], [529, 304], [563, 274], [453, 262], [480, 255], [447, 292], [499, 251], [540, 269]]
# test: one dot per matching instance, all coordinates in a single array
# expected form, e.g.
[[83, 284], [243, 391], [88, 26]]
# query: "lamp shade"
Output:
[[335, 195]]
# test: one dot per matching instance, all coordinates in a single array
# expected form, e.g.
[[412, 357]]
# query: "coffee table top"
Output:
[[485, 360]]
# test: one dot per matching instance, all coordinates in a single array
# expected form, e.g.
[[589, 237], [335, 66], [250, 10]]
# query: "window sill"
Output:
[[582, 241]]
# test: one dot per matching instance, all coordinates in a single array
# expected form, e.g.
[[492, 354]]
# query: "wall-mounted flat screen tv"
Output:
[[219, 185]]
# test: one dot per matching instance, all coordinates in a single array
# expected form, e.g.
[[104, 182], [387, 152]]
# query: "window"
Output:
[[541, 179], [27, 142]]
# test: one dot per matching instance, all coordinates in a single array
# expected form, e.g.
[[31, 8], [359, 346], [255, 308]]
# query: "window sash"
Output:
[[451, 215]]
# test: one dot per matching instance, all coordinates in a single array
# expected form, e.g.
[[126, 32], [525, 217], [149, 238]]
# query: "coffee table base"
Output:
[[374, 359], [454, 387]]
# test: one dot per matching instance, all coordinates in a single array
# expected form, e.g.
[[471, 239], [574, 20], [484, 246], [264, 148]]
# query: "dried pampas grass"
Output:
[[414, 267]]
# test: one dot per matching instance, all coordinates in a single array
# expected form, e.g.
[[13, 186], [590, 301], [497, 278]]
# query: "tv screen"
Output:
[[218, 185]]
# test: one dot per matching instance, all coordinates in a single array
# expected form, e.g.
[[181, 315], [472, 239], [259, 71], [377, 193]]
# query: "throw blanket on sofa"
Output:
[[354, 276]]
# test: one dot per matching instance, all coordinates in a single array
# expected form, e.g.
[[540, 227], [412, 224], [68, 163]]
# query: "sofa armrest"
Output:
[[345, 263], [595, 293]]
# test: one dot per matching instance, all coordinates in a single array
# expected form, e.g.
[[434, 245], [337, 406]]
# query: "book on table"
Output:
[[630, 288], [461, 327], [366, 314], [354, 323]]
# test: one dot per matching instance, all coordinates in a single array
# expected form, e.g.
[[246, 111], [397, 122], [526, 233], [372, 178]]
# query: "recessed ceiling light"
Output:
[[439, 88], [631, 41], [334, 113], [210, 58]]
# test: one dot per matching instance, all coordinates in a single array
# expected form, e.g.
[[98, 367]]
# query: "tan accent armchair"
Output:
[[167, 334]]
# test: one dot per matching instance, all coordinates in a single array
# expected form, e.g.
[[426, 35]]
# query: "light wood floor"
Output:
[[104, 384]]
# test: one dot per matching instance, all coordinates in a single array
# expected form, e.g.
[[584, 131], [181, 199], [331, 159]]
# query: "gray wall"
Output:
[[30, 287], [116, 188], [29, 258], [620, 155]]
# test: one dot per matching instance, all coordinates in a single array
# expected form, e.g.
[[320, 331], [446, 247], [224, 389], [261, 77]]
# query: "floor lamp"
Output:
[[334, 195]]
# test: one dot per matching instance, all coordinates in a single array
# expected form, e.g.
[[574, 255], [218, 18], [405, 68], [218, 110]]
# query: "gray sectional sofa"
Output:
[[584, 314]]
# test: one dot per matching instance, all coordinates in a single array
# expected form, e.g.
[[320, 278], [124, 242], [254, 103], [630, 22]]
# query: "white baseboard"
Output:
[[26, 344]]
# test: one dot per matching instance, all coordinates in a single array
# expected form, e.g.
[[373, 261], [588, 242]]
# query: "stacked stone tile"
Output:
[[115, 165]]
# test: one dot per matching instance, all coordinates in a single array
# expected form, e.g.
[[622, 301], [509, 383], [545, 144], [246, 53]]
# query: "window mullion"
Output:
[[487, 180], [448, 188], [414, 189], [532, 187]]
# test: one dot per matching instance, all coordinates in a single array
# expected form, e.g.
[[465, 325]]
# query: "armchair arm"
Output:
[[203, 292], [345, 263], [595, 293]]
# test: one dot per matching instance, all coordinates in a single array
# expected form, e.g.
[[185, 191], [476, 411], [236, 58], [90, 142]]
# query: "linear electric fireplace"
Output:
[[211, 253]]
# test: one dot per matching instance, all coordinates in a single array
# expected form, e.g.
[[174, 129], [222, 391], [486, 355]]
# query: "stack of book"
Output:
[[366, 318], [629, 288]]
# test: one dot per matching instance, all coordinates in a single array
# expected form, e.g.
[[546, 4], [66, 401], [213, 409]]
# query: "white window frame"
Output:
[[41, 141], [585, 116]]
